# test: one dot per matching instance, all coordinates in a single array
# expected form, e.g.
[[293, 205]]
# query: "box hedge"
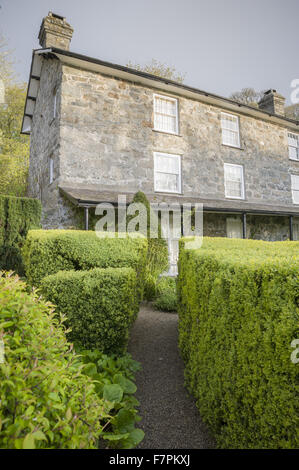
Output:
[[17, 216], [238, 314], [48, 251], [100, 305], [46, 400]]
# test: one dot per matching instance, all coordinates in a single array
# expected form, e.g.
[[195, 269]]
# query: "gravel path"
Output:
[[170, 418]]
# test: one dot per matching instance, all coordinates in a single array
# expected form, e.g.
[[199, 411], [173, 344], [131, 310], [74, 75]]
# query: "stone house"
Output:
[[99, 130]]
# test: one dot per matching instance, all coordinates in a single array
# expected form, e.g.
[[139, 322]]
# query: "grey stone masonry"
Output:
[[56, 32], [273, 102]]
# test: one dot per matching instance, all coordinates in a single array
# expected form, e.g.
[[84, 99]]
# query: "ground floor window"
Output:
[[296, 230]]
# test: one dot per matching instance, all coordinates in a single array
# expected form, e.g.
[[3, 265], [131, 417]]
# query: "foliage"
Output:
[[157, 255], [166, 296], [238, 314], [159, 69], [49, 251], [248, 96], [17, 216], [14, 175], [292, 111], [46, 401], [114, 378], [6, 62], [14, 147], [100, 305]]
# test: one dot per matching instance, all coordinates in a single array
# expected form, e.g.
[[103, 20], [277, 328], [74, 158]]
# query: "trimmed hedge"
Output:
[[238, 314], [48, 251], [17, 216], [46, 400], [100, 305]]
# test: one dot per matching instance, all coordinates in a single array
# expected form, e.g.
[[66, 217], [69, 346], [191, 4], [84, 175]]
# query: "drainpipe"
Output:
[[86, 217], [244, 224], [291, 228]]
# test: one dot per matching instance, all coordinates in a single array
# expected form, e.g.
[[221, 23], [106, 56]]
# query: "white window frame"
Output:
[[291, 146], [242, 182], [293, 178], [51, 170], [234, 220], [168, 98], [179, 157], [237, 132]]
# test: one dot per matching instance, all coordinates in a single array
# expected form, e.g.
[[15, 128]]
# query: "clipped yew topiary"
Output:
[[100, 305], [238, 315], [157, 254]]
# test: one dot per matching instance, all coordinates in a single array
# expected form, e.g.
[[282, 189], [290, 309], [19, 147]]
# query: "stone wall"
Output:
[[103, 135], [107, 139]]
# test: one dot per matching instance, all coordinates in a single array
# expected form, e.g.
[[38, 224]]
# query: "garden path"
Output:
[[170, 418]]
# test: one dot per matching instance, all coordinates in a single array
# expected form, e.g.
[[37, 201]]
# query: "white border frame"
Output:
[[239, 137], [293, 159], [171, 98], [180, 172], [293, 190], [51, 170], [243, 182]]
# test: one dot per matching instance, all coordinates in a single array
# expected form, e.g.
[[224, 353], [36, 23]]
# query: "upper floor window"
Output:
[[234, 181], [293, 146], [295, 188], [234, 227], [55, 104], [51, 170], [230, 130], [167, 169], [165, 114]]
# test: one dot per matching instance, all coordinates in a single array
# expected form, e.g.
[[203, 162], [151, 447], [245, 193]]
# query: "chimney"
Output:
[[273, 102], [55, 32]]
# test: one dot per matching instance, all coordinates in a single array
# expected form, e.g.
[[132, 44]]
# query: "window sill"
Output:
[[167, 133], [235, 198], [294, 160], [173, 193], [233, 147]]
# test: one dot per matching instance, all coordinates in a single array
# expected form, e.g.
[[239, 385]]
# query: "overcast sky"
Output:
[[221, 46]]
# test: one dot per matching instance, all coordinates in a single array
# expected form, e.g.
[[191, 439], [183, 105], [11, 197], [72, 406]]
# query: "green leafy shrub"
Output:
[[17, 216], [49, 251], [46, 401], [157, 254], [166, 299], [100, 305], [238, 314], [114, 378]]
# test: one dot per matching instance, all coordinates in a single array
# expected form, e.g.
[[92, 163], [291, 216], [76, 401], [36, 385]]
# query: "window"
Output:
[[234, 227], [293, 146], [295, 188], [296, 230], [51, 170], [55, 104], [167, 168], [165, 114], [234, 181], [230, 130]]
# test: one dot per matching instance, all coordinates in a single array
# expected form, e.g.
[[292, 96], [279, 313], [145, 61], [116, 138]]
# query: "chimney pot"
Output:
[[55, 32]]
